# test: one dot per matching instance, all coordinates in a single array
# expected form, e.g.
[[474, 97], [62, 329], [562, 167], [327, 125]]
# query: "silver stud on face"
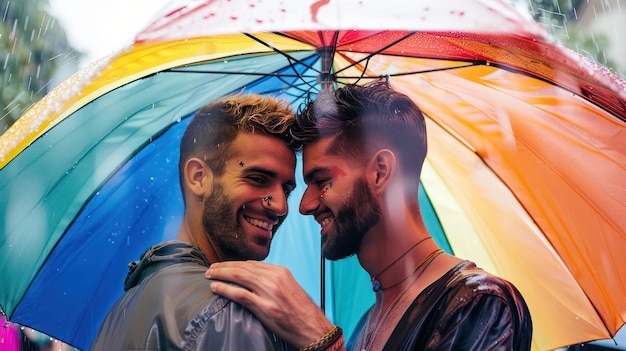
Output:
[[268, 198]]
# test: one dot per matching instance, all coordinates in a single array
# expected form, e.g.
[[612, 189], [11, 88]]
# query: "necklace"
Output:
[[376, 284], [371, 336]]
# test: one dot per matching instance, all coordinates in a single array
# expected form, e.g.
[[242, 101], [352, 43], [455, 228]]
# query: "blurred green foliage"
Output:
[[559, 17], [32, 47]]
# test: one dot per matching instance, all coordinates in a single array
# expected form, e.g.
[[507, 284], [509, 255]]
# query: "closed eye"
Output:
[[257, 179], [287, 192], [320, 183]]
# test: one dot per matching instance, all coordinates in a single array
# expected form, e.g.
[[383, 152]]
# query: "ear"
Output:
[[198, 177], [381, 169]]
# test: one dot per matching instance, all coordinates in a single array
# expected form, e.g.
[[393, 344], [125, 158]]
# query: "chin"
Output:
[[259, 253]]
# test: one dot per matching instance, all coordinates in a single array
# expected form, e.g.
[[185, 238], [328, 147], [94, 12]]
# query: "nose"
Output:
[[310, 201], [276, 202]]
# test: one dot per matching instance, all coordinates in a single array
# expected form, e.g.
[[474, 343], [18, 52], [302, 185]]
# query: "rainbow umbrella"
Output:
[[525, 173]]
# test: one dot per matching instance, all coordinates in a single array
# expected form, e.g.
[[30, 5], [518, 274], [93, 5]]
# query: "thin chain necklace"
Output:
[[376, 284], [371, 336]]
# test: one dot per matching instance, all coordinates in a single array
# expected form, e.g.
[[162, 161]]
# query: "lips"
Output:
[[259, 223], [324, 222]]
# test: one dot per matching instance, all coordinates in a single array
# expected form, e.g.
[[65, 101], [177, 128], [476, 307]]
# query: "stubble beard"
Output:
[[353, 220], [220, 224]]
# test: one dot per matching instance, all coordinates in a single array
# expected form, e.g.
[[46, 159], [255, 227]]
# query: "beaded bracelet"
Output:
[[325, 341]]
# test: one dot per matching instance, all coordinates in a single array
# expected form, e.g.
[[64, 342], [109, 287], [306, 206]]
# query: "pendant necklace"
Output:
[[376, 283], [371, 336]]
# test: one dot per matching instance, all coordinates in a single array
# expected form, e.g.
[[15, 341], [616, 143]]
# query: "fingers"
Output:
[[274, 296], [240, 270], [252, 275], [233, 292]]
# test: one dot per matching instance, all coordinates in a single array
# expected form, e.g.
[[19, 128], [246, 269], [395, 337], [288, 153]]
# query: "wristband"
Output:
[[325, 341]]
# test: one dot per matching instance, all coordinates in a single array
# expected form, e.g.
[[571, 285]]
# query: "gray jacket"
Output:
[[168, 306]]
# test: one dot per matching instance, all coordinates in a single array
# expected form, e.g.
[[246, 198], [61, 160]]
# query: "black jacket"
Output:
[[466, 309]]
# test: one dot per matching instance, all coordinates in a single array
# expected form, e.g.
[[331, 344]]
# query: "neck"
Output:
[[192, 231], [394, 249]]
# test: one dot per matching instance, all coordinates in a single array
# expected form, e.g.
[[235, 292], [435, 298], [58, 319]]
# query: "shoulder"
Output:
[[471, 290], [467, 279], [230, 325]]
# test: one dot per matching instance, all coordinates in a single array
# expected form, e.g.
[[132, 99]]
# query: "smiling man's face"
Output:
[[239, 223], [339, 198]]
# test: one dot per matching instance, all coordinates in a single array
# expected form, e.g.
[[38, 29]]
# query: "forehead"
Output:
[[315, 156], [263, 150]]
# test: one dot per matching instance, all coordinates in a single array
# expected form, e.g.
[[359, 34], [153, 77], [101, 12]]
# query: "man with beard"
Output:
[[364, 147], [237, 169]]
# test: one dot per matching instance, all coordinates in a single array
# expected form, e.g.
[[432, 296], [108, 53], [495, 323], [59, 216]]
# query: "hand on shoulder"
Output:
[[274, 296]]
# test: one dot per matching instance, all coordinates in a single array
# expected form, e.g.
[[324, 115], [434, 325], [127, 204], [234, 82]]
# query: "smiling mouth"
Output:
[[259, 223], [326, 221]]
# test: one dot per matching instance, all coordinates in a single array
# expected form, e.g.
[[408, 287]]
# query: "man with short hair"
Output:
[[364, 147], [237, 166]]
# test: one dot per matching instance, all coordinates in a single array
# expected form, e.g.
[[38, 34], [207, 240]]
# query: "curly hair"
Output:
[[215, 125], [364, 119]]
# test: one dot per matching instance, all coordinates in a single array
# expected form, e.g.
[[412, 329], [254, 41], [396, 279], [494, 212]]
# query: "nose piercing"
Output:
[[323, 192], [326, 188], [268, 198]]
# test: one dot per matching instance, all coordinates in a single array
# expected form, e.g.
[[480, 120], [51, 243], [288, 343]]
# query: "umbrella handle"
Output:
[[322, 282]]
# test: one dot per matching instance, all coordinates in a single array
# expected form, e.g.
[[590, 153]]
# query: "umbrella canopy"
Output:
[[525, 173]]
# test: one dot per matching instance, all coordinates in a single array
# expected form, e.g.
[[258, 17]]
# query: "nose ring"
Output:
[[324, 191], [268, 198]]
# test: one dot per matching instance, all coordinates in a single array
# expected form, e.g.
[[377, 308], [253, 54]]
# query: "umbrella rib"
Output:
[[373, 53], [289, 57], [304, 79], [301, 77], [363, 76], [470, 64], [239, 72], [278, 51]]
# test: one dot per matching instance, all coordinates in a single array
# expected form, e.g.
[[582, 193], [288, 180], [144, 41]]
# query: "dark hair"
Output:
[[215, 125], [365, 119]]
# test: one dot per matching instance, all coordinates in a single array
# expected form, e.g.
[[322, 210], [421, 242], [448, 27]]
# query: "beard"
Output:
[[219, 220], [353, 220]]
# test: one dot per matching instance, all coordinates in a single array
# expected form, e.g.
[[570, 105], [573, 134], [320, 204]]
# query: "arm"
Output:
[[273, 295]]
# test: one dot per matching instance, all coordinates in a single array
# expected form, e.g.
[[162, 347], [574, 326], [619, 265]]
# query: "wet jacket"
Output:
[[466, 309], [168, 306]]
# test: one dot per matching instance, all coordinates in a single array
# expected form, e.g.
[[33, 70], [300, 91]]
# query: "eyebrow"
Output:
[[313, 172], [271, 174]]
